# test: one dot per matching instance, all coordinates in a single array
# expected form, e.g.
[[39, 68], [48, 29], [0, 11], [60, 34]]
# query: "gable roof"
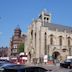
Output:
[[60, 28]]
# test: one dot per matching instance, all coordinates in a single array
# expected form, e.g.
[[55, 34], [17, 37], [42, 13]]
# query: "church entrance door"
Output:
[[55, 55]]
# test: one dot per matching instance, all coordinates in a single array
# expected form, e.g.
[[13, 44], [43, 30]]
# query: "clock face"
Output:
[[14, 50]]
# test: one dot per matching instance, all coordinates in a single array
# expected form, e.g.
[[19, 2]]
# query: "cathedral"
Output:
[[46, 38]]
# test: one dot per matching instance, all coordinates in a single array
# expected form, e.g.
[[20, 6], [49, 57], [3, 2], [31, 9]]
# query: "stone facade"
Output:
[[46, 38]]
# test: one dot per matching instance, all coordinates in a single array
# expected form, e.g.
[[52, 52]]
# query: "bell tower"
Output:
[[45, 16]]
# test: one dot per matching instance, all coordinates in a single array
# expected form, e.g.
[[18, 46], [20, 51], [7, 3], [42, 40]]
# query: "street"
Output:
[[53, 68]]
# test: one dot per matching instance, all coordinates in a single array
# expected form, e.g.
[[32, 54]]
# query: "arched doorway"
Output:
[[55, 55]]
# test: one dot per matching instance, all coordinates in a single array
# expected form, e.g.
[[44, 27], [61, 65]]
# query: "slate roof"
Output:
[[60, 28]]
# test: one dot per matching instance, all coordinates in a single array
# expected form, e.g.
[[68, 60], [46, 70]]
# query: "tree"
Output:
[[21, 48]]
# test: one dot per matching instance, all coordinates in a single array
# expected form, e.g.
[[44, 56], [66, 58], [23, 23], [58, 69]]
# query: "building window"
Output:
[[44, 18], [47, 18], [32, 34], [45, 44], [60, 40], [64, 50], [51, 39], [69, 41], [15, 46], [35, 40]]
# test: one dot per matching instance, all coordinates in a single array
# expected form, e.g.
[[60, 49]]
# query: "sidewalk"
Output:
[[43, 64]]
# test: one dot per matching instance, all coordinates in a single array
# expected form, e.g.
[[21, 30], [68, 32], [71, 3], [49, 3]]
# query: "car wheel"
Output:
[[68, 67]]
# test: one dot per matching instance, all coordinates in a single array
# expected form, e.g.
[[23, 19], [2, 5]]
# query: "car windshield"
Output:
[[68, 60], [2, 60], [21, 68]]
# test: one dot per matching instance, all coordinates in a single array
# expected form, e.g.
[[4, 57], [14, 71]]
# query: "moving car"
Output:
[[66, 64], [21, 68]]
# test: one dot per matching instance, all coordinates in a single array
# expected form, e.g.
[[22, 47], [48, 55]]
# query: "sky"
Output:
[[22, 12]]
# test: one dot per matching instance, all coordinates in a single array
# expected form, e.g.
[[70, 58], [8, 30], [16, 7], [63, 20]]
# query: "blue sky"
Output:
[[22, 12]]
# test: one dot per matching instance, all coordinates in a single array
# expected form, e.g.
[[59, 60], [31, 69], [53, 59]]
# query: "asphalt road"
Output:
[[53, 68]]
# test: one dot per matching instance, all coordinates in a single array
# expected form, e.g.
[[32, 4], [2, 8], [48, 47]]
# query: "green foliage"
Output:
[[21, 48]]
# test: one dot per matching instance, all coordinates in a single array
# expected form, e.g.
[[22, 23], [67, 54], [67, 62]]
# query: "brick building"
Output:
[[4, 51], [16, 40]]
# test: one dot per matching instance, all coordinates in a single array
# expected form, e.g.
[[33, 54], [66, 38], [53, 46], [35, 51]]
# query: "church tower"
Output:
[[45, 16]]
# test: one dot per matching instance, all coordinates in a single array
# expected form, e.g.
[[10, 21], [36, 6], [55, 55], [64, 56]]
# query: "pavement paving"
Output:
[[56, 68], [51, 67]]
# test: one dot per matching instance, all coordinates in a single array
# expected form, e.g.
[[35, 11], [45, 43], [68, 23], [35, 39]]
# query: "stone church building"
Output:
[[46, 38]]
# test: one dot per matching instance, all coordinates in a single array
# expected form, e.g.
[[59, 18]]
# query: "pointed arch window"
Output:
[[60, 40], [45, 43], [69, 41], [32, 34], [35, 40], [51, 39]]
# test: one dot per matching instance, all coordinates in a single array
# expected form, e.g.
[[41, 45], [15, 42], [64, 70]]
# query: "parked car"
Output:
[[67, 63], [3, 61], [22, 58], [21, 68], [14, 60]]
